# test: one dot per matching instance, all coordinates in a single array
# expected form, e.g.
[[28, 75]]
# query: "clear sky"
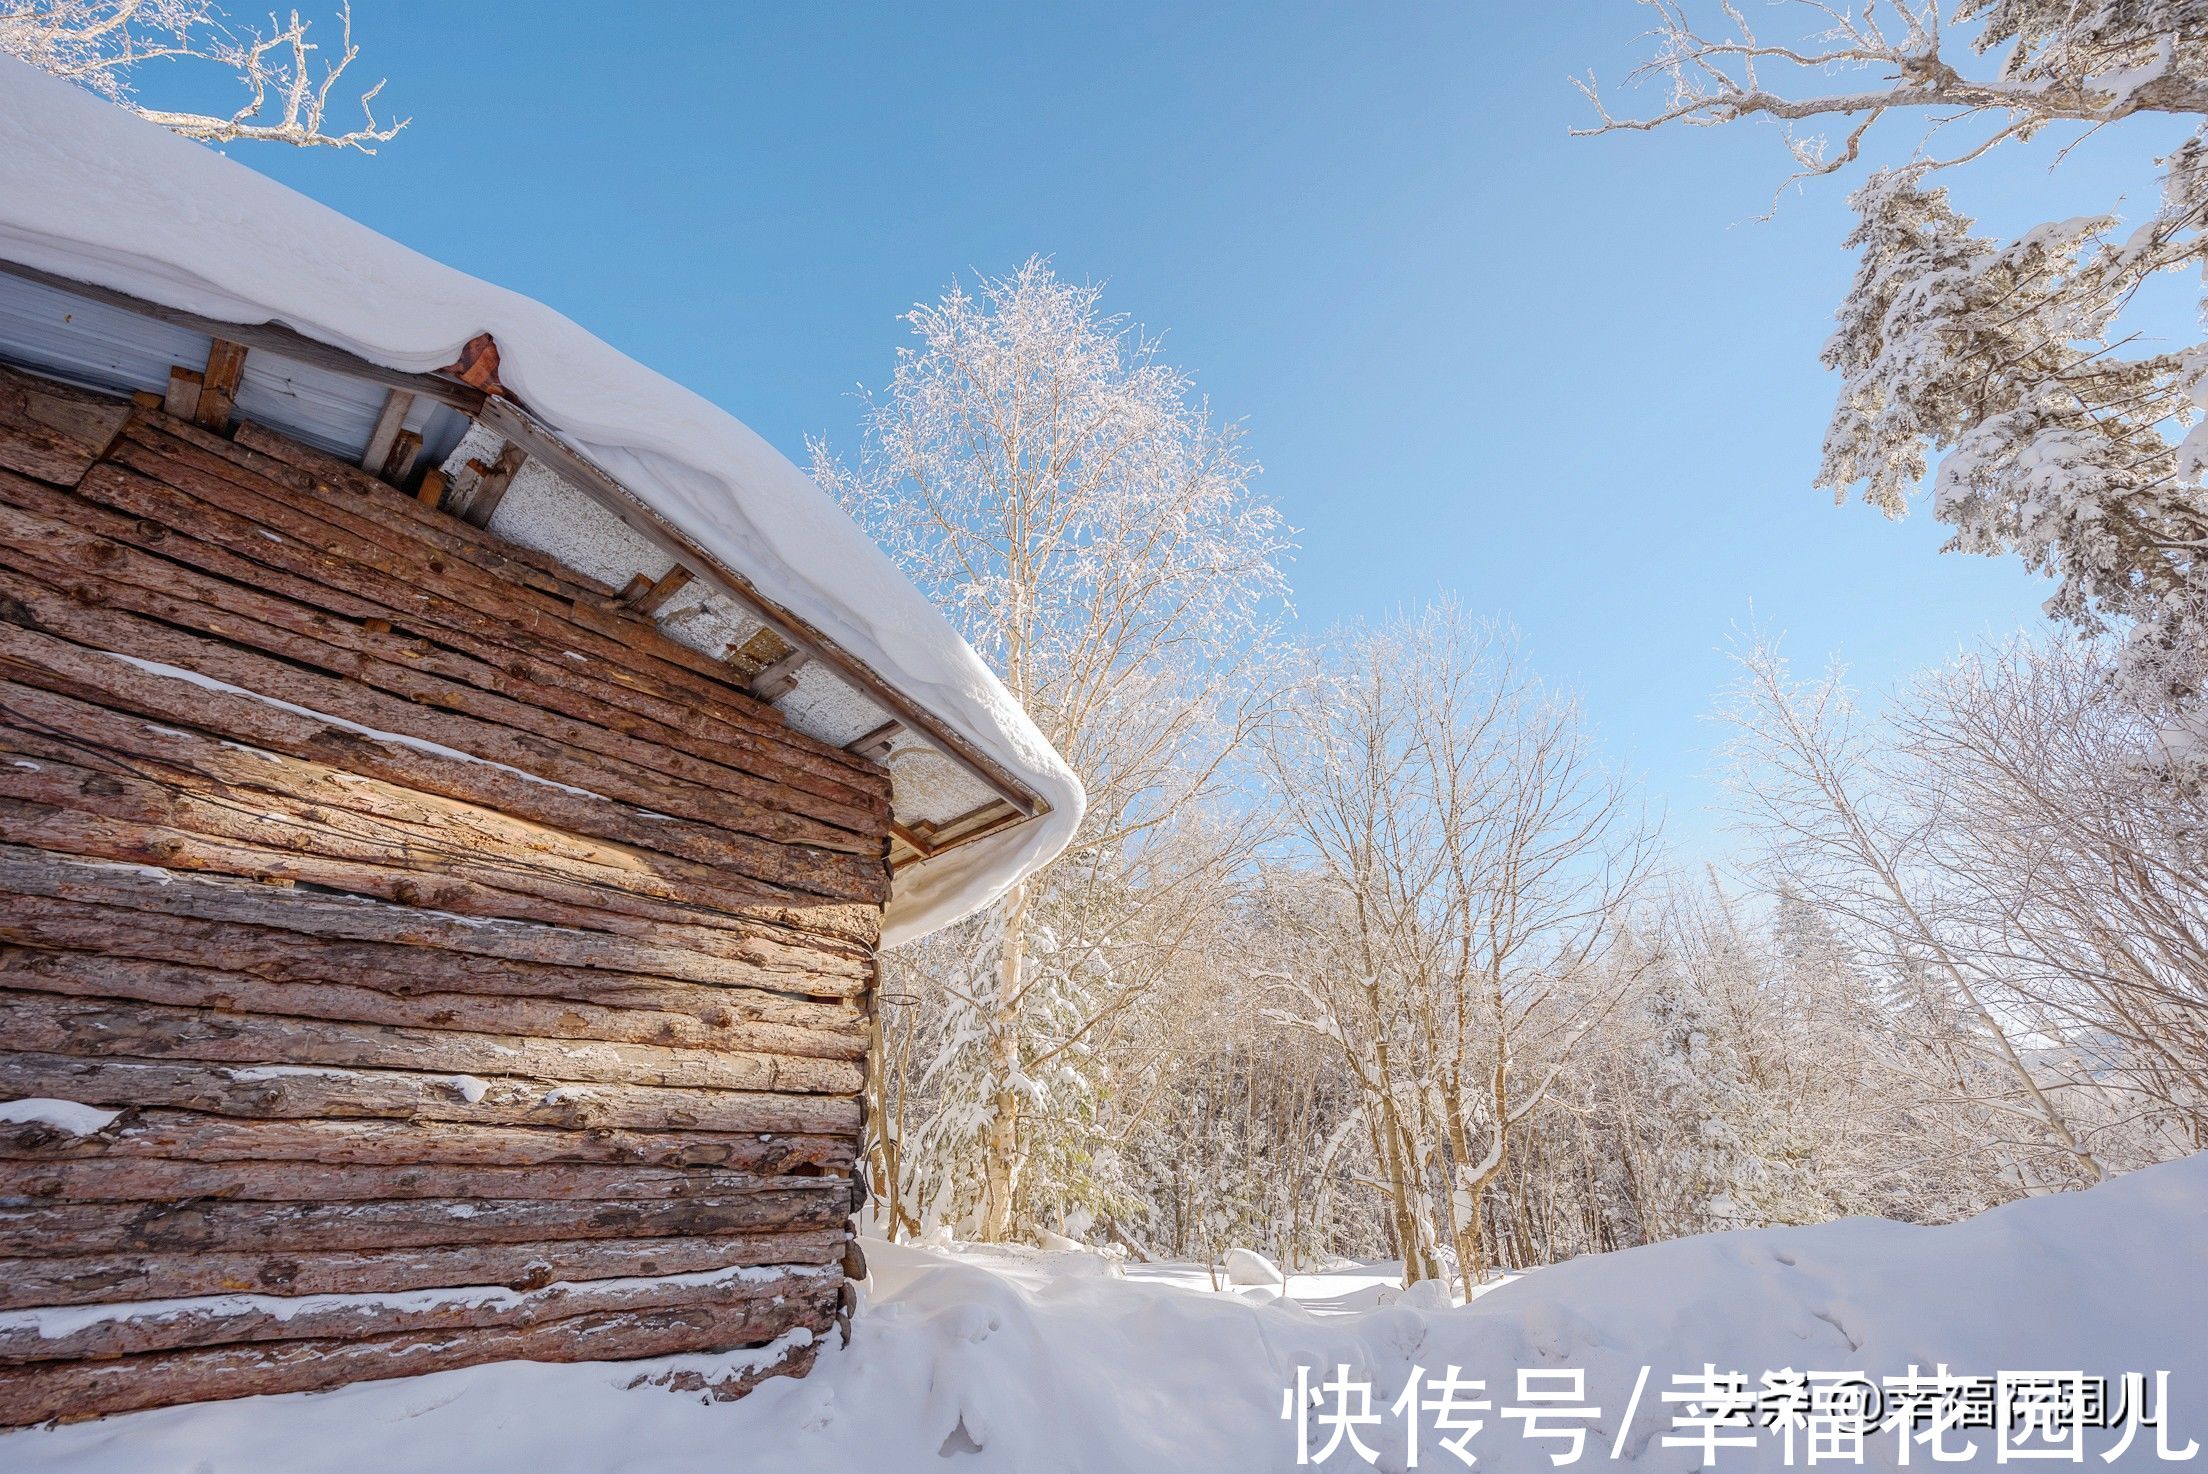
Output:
[[1572, 380]]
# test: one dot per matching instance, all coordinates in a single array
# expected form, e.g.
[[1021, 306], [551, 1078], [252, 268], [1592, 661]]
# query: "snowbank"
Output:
[[960, 1367], [90, 192]]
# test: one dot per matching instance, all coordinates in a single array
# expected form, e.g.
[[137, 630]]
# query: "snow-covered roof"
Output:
[[628, 469]]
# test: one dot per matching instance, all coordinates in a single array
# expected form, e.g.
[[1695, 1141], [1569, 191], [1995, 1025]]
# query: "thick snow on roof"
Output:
[[92, 193]]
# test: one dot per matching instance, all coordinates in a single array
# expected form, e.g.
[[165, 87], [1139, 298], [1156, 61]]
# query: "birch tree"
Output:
[[101, 45], [2085, 867], [1476, 867], [1039, 470], [2002, 368], [1840, 826]]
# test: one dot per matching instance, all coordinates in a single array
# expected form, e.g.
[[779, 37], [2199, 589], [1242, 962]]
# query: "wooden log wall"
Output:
[[447, 944]]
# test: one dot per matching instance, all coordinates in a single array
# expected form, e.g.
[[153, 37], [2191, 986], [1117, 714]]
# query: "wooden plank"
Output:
[[104, 1279], [218, 394], [330, 1092], [874, 746], [87, 1389], [100, 974], [389, 420]]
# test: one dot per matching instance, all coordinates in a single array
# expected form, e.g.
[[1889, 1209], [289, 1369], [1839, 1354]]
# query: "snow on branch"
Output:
[[100, 44], [2003, 376], [2061, 63]]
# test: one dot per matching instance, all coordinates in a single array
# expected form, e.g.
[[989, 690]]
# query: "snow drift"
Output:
[[1031, 1366]]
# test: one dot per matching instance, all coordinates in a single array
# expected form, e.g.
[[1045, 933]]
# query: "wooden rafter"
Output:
[[658, 591], [474, 500], [874, 745], [389, 422], [219, 381], [778, 679], [540, 440]]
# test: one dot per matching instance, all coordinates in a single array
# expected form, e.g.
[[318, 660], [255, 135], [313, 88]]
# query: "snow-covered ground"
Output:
[[1040, 1361]]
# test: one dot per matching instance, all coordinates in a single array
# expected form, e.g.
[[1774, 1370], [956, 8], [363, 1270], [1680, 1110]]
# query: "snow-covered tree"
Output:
[[101, 45], [1812, 778], [2059, 436], [1038, 469], [1473, 866]]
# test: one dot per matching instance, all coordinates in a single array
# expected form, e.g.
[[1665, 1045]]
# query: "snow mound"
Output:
[[63, 1115], [1248, 1267], [956, 1361]]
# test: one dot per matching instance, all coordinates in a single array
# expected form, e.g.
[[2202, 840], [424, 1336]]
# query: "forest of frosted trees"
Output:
[[1366, 948]]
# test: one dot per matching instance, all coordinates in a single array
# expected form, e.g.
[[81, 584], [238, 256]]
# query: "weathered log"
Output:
[[101, 1029], [47, 663], [85, 1389], [53, 432], [312, 478], [105, 1279], [29, 872], [71, 830], [100, 975], [94, 1228], [394, 531], [276, 1092], [60, 549], [485, 936], [189, 1136], [436, 833], [410, 972], [180, 488], [31, 1337], [137, 1180], [386, 697]]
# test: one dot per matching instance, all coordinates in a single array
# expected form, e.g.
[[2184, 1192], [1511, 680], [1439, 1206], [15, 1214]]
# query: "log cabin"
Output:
[[456, 785]]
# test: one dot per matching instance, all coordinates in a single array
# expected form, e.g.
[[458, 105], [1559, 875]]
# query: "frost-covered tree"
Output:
[[2084, 868], [1473, 867], [2058, 435], [1037, 468], [101, 45]]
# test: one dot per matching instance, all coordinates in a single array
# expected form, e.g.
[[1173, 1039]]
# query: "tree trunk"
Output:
[[1002, 1152]]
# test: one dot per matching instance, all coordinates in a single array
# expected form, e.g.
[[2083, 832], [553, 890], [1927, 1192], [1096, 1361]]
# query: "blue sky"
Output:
[[1572, 381]]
